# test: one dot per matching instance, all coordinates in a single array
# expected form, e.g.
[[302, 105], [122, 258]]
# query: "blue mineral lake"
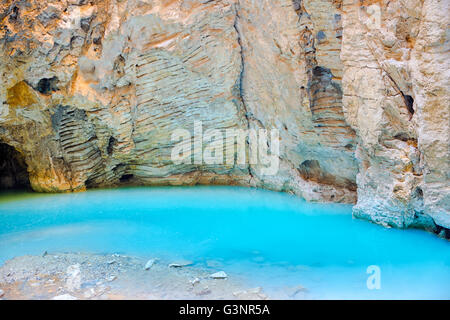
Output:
[[271, 239]]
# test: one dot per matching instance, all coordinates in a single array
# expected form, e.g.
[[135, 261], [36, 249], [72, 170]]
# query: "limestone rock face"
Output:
[[396, 91], [291, 80], [92, 92]]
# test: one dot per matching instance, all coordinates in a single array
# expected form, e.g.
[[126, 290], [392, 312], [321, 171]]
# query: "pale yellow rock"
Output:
[[396, 91]]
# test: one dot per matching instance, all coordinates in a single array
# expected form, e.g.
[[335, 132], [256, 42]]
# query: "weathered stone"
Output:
[[149, 264], [396, 93]]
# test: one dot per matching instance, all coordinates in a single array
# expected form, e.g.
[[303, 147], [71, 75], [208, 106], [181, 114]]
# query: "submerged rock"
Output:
[[293, 292], [181, 264], [149, 264], [160, 283], [219, 275]]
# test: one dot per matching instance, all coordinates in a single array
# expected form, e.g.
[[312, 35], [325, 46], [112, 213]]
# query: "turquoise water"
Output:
[[270, 239]]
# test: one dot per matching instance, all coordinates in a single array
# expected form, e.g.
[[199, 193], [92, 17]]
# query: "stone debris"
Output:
[[89, 276]]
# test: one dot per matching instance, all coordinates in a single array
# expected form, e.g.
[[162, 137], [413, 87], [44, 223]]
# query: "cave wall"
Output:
[[92, 91], [396, 84], [13, 169]]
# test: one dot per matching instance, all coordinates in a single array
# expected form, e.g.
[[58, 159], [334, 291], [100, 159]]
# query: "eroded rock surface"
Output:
[[93, 90], [396, 85]]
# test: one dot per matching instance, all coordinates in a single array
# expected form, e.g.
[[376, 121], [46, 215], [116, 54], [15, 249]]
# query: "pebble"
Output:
[[2, 293], [219, 275], [65, 297], [112, 278], [149, 264], [180, 264]]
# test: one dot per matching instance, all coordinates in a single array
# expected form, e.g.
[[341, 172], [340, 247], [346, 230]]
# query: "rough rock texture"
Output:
[[93, 90], [396, 92], [291, 81]]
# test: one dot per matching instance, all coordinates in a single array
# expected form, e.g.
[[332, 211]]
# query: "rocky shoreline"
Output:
[[85, 276]]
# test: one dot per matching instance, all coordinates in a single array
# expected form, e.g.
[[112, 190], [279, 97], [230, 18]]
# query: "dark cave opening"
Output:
[[126, 178], [13, 169]]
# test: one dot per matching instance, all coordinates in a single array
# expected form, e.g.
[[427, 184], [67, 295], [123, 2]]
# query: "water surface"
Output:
[[270, 239]]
